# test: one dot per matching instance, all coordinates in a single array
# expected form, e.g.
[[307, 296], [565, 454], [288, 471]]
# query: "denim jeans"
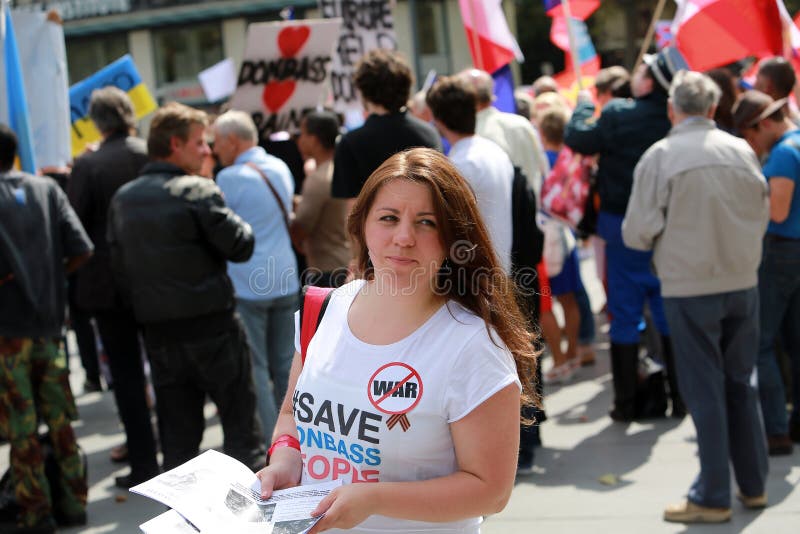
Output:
[[779, 290], [270, 333], [631, 282], [586, 330], [715, 339]]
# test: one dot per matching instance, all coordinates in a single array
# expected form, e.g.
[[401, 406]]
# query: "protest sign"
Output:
[[283, 72], [218, 81], [366, 25], [121, 73]]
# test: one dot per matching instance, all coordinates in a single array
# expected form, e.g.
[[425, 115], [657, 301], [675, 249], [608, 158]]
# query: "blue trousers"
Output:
[[631, 282], [779, 290], [269, 325], [715, 339]]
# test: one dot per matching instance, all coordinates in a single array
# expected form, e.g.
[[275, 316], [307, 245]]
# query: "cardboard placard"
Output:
[[284, 71], [366, 25]]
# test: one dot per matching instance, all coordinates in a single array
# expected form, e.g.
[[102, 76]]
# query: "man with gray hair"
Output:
[[96, 176], [259, 188], [515, 134], [700, 202]]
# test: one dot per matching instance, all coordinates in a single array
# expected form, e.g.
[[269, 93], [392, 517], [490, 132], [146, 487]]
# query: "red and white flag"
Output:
[[490, 40], [712, 33]]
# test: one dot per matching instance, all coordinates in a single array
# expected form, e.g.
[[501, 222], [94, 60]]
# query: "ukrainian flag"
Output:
[[123, 74], [15, 89]]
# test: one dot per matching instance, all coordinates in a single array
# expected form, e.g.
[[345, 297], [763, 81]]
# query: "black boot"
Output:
[[624, 369], [678, 408]]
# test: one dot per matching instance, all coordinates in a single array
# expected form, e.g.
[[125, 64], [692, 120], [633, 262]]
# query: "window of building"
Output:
[[430, 35], [85, 56], [180, 53]]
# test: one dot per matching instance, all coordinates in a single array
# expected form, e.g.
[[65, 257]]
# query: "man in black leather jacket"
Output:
[[170, 235]]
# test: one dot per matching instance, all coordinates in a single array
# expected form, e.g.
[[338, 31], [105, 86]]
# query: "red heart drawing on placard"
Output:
[[276, 94], [291, 39]]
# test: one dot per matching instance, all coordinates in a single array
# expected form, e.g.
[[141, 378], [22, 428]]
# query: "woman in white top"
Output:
[[410, 391]]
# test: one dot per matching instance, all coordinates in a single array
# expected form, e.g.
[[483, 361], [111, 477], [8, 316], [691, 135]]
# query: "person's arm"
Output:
[[76, 245], [645, 216], [781, 190], [285, 467], [79, 191], [583, 134], [225, 232], [486, 444]]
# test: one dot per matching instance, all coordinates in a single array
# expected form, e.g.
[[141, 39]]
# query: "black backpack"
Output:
[[528, 239], [527, 243]]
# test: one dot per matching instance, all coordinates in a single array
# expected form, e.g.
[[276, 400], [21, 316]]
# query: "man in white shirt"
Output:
[[513, 133], [483, 163]]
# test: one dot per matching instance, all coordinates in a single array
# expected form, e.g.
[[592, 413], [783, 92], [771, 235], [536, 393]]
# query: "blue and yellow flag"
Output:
[[15, 89], [123, 74]]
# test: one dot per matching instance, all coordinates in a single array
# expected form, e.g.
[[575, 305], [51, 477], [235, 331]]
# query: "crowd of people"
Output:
[[187, 253]]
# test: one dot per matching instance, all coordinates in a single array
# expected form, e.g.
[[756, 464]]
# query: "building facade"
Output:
[[171, 41]]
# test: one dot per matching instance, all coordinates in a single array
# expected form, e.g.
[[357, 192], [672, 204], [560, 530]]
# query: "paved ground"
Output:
[[591, 474]]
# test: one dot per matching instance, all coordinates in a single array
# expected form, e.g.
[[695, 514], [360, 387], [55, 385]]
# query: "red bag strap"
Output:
[[312, 308]]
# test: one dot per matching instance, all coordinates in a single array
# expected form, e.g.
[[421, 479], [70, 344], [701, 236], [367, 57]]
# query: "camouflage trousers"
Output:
[[34, 386]]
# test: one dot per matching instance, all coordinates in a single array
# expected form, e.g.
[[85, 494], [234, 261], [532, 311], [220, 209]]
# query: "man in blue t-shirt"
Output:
[[763, 122], [259, 188]]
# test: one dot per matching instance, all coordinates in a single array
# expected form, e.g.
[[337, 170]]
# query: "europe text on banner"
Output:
[[121, 73], [18, 117], [491, 42], [366, 25], [284, 72]]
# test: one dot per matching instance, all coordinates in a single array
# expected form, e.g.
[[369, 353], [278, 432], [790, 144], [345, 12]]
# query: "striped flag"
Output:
[[490, 40], [578, 9], [588, 60], [736, 28], [18, 117]]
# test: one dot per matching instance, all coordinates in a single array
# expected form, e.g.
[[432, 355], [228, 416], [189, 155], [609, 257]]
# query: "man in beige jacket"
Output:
[[700, 202]]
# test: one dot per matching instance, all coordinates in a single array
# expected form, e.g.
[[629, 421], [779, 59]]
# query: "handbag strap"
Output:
[[274, 193]]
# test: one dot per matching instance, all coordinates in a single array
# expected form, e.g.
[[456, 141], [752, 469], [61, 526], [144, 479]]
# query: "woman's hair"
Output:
[[471, 273], [727, 83]]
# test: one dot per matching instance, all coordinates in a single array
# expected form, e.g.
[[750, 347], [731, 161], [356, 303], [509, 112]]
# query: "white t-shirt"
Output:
[[490, 173], [350, 393]]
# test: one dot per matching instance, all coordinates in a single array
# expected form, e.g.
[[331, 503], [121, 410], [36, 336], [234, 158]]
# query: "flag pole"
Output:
[[476, 40], [573, 46], [650, 31]]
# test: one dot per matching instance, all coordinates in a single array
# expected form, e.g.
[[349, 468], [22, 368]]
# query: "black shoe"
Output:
[[130, 480], [621, 416], [92, 386], [794, 431], [779, 445], [64, 520], [525, 463], [624, 370], [43, 526]]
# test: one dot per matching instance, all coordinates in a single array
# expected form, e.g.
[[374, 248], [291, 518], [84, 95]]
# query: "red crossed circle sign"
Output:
[[395, 388]]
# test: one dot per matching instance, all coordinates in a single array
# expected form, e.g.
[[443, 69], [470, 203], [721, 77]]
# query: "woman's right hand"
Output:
[[285, 470]]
